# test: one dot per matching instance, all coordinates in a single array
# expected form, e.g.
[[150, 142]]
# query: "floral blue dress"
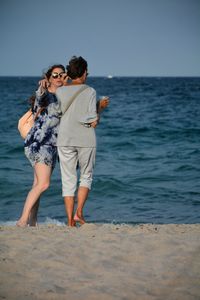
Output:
[[40, 143]]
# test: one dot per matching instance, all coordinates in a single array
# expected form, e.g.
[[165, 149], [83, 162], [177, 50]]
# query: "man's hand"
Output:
[[103, 103], [94, 124]]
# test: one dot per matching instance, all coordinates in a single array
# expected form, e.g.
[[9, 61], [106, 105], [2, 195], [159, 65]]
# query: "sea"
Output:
[[148, 153]]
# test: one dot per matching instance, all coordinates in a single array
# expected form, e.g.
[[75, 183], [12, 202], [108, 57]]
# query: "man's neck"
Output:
[[77, 81]]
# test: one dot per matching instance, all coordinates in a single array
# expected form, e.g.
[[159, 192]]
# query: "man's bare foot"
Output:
[[72, 223], [79, 219]]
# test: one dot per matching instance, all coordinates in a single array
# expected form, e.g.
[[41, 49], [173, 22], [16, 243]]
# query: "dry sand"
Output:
[[100, 262]]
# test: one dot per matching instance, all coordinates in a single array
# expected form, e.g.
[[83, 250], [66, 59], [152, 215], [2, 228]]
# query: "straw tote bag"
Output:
[[26, 122]]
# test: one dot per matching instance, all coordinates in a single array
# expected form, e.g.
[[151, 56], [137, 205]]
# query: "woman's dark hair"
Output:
[[31, 101], [49, 71], [76, 67], [47, 74]]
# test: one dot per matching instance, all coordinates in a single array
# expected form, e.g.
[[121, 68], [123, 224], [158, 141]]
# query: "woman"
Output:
[[40, 143]]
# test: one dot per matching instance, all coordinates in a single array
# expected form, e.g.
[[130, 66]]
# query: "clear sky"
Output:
[[118, 37]]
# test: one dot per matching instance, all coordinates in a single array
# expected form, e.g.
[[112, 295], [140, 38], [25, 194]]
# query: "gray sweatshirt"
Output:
[[73, 129]]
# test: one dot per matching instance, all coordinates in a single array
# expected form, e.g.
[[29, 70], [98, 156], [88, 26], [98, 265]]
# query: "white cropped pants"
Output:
[[70, 159]]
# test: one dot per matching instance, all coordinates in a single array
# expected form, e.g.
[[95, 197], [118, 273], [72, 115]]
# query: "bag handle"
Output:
[[74, 96], [38, 112]]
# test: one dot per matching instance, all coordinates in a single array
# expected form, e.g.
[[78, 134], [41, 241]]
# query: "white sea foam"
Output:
[[46, 222], [53, 221], [8, 223]]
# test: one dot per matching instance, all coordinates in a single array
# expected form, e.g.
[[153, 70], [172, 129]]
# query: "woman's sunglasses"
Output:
[[57, 75]]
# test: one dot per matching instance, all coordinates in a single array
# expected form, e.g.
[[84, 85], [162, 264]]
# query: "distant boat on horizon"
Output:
[[109, 76]]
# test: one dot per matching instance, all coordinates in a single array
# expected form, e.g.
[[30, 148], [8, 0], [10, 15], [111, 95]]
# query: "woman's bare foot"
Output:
[[20, 223]]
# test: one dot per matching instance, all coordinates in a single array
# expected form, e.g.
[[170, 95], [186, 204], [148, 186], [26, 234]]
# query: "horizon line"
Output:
[[115, 76]]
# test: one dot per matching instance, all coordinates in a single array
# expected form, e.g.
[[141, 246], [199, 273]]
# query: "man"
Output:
[[76, 139]]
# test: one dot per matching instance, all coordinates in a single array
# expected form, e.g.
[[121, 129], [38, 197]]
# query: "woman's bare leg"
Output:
[[43, 174], [32, 220], [82, 197]]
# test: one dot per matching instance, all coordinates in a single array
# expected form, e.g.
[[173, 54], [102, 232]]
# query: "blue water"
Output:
[[148, 158]]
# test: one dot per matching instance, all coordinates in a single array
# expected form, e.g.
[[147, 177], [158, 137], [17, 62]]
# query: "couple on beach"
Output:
[[67, 114]]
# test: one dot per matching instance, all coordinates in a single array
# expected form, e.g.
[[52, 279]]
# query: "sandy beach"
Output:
[[100, 262]]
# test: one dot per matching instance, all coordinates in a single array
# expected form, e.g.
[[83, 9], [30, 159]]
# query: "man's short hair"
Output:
[[76, 67]]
